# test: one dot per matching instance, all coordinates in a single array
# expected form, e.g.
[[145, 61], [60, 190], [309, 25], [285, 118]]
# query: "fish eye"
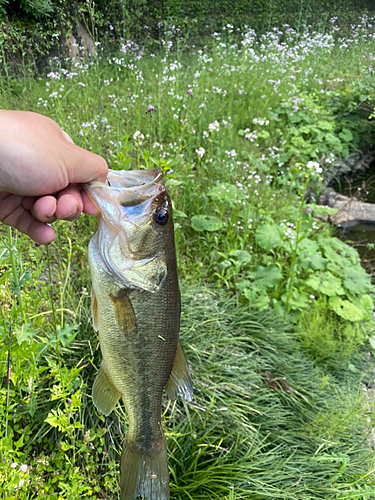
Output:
[[161, 217]]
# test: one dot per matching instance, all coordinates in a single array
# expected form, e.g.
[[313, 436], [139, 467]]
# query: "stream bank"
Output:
[[352, 192]]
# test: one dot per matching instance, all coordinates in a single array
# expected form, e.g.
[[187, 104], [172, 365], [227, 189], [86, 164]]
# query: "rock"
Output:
[[82, 40], [350, 210], [354, 164], [86, 40], [71, 44]]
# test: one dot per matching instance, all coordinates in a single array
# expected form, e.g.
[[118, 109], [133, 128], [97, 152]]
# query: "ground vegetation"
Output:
[[277, 310]]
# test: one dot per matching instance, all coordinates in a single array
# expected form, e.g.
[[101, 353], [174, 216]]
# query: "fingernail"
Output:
[[74, 213]]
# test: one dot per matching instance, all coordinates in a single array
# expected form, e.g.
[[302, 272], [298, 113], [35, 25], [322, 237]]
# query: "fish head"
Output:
[[135, 234]]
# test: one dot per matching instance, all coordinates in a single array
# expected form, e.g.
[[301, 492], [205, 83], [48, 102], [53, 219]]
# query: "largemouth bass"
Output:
[[136, 310]]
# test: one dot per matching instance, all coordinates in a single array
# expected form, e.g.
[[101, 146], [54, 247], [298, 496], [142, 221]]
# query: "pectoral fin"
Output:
[[104, 393], [94, 311], [179, 383]]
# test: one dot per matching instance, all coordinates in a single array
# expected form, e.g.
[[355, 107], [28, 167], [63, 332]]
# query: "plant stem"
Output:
[[295, 249], [13, 264]]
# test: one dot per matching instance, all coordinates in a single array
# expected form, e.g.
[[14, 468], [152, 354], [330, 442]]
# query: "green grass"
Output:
[[279, 411]]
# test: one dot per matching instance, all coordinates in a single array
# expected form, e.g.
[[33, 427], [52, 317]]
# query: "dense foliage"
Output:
[[279, 333], [32, 29]]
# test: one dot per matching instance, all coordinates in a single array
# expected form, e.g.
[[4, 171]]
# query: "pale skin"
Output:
[[41, 174]]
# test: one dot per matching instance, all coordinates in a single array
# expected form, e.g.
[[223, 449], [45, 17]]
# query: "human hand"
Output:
[[41, 171]]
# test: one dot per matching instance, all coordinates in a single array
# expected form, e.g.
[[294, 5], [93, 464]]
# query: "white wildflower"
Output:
[[214, 126], [200, 152]]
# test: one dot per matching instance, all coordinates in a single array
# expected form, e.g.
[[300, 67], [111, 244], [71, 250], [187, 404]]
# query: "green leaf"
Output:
[[66, 335], [265, 277], [263, 134], [334, 257], [332, 139], [258, 298], [178, 213], [224, 264], [298, 300], [4, 252], [311, 247], [324, 125], [206, 223], [65, 446], [273, 116], [356, 281], [316, 262], [326, 283], [352, 368], [172, 182], [346, 135], [241, 256], [269, 236], [52, 419], [24, 333], [367, 306], [346, 309], [24, 278], [224, 193]]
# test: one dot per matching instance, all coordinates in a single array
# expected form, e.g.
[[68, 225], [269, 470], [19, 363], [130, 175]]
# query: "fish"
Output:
[[135, 308]]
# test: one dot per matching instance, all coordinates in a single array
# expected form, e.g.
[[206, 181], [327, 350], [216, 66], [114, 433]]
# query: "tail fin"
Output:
[[143, 475]]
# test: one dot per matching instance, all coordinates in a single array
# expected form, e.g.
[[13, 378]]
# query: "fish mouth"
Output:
[[128, 196]]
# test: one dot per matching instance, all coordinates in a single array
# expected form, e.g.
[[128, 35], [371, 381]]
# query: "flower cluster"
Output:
[[214, 127], [200, 152], [138, 137], [314, 167]]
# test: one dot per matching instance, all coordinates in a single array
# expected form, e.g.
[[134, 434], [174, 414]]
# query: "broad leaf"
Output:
[[346, 309], [356, 280], [258, 298], [326, 283], [346, 135], [24, 333], [367, 306], [310, 246], [241, 256], [316, 262], [206, 223], [269, 236], [332, 139], [265, 277]]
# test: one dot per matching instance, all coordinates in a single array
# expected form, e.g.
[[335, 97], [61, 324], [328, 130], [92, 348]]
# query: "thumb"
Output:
[[86, 166]]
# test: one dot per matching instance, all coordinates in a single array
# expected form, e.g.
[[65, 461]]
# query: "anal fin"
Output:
[[104, 393], [179, 383]]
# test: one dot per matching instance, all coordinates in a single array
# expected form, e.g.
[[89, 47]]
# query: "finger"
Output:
[[88, 207], [87, 166], [13, 214], [43, 209], [67, 137], [69, 203]]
